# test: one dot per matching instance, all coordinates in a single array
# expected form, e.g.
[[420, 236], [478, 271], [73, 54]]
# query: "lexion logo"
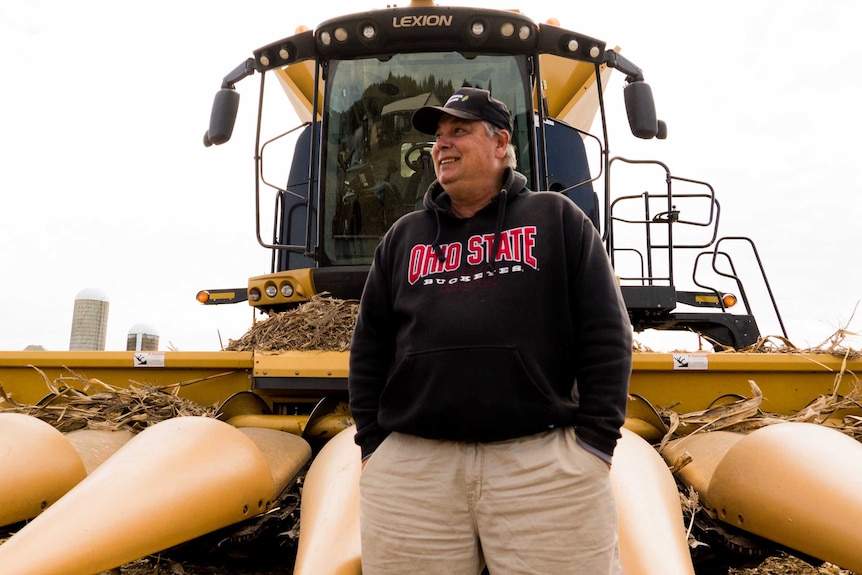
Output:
[[426, 20]]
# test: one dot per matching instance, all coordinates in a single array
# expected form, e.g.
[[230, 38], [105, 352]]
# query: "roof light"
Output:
[[284, 53], [572, 46], [595, 52], [325, 38], [340, 34], [369, 31], [264, 59], [507, 29], [477, 28], [525, 32]]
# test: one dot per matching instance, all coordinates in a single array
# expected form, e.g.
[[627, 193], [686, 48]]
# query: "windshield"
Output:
[[377, 167]]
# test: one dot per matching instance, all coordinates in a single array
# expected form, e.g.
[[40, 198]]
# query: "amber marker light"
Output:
[[203, 296], [729, 300]]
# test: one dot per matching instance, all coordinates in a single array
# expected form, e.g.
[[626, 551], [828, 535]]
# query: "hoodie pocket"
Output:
[[472, 394]]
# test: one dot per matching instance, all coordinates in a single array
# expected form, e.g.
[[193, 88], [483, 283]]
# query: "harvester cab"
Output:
[[358, 164]]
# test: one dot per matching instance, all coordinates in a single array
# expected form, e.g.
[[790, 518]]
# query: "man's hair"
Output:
[[511, 160]]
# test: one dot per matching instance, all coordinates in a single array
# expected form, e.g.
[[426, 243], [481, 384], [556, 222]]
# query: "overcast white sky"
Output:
[[104, 181]]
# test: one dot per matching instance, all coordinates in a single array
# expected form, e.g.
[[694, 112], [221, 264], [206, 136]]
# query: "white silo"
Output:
[[142, 337], [89, 320]]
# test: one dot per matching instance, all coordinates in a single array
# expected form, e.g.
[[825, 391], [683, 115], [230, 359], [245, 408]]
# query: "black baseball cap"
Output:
[[467, 104]]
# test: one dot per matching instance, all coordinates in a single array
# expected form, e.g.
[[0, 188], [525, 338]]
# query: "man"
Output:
[[489, 370]]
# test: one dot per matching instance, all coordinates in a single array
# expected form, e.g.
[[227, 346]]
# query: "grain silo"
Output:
[[142, 337], [89, 320]]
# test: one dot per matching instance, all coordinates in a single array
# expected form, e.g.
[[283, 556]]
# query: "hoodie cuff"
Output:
[[598, 453]]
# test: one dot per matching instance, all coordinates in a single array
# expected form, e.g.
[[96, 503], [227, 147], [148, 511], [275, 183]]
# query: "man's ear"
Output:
[[502, 143]]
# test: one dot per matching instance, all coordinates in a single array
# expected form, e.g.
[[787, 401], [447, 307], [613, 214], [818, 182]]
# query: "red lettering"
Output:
[[516, 245], [418, 259], [529, 243], [474, 251], [504, 249], [435, 266], [453, 256], [424, 261], [515, 237]]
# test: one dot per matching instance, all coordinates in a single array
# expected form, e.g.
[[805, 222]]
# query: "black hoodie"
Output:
[[453, 344]]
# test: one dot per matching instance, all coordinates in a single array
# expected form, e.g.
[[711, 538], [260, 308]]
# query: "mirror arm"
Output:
[[616, 60], [244, 70]]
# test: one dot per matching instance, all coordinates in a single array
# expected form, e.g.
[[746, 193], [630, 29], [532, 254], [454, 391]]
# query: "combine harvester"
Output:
[[84, 502]]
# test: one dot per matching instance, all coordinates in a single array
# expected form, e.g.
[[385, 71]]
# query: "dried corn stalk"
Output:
[[76, 402], [744, 415], [322, 323]]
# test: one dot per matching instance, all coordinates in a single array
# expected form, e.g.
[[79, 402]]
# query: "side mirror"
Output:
[[662, 130], [640, 108], [222, 117]]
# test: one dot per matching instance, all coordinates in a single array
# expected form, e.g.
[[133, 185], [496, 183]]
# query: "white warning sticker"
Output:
[[150, 359], [690, 361]]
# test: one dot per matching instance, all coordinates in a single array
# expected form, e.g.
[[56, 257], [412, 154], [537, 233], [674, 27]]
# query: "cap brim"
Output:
[[427, 118]]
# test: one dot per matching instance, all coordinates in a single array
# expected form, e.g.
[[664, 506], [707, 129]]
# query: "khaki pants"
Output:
[[539, 504]]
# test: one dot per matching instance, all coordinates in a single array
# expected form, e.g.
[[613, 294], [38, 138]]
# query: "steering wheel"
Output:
[[417, 150]]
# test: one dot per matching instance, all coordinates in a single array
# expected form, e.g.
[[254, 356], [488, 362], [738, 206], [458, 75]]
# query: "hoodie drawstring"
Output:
[[435, 245], [501, 214], [436, 200], [502, 200]]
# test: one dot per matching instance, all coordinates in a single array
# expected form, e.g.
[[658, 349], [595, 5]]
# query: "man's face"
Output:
[[466, 158]]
